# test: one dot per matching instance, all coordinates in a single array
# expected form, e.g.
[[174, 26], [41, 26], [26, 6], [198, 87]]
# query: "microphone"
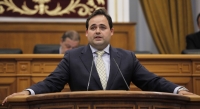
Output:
[[121, 74], [90, 74]]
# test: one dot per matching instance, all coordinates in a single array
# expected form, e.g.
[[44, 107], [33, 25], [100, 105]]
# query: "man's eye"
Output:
[[67, 46], [93, 28], [103, 28]]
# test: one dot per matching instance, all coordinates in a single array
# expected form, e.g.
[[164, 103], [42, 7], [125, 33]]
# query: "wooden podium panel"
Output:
[[19, 71], [25, 35], [105, 100]]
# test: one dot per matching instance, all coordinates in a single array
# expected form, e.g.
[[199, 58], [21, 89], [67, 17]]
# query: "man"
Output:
[[193, 40], [84, 68], [69, 40]]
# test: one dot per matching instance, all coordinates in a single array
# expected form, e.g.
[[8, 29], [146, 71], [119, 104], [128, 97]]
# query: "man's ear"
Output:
[[61, 41], [199, 26], [86, 32], [112, 31]]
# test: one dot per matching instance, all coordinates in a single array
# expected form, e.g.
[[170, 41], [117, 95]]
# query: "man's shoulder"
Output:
[[196, 34], [122, 51]]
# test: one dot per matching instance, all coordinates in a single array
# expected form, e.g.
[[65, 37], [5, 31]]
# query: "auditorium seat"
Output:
[[142, 52], [191, 51], [10, 51], [45, 48]]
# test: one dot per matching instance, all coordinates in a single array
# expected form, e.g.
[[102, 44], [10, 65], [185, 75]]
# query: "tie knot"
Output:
[[100, 53]]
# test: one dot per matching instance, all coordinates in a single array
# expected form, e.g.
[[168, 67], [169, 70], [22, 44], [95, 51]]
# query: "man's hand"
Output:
[[183, 92], [25, 92]]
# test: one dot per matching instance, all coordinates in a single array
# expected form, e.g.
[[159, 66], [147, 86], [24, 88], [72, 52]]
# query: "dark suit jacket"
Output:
[[193, 41], [75, 68]]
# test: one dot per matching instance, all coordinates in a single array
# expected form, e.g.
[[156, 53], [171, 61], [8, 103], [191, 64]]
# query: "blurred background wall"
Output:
[[121, 11]]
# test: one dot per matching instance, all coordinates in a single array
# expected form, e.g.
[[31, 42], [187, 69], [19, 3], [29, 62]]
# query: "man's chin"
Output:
[[98, 43]]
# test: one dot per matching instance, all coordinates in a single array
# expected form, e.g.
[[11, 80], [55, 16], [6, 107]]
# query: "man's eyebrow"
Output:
[[102, 25], [93, 25]]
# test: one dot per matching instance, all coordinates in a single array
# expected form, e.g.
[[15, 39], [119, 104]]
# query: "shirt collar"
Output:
[[105, 49]]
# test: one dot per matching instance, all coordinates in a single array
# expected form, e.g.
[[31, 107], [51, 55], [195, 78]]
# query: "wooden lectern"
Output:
[[105, 100]]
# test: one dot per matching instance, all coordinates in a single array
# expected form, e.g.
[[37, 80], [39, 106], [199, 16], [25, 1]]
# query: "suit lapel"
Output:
[[114, 56], [87, 59]]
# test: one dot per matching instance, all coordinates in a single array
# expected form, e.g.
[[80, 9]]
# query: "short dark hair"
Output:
[[71, 34], [198, 19], [100, 11]]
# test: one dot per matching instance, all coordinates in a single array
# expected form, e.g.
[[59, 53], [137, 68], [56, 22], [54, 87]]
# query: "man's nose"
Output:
[[97, 30]]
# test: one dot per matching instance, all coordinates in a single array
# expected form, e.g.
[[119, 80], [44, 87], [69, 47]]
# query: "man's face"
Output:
[[99, 32], [68, 44]]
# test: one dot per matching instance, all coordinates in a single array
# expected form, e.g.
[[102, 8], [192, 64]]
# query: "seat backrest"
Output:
[[10, 51], [191, 51], [142, 52], [46, 48]]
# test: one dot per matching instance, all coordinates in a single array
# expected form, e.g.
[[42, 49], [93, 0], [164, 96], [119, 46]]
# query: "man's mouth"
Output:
[[97, 37]]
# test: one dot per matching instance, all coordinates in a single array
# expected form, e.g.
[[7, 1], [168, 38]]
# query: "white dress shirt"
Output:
[[105, 57]]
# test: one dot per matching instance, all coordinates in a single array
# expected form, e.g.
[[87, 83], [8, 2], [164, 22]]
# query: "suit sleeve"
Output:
[[148, 81], [190, 43], [56, 81]]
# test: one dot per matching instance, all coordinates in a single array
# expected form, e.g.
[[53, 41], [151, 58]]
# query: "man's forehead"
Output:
[[68, 40], [98, 18], [98, 24], [71, 43]]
